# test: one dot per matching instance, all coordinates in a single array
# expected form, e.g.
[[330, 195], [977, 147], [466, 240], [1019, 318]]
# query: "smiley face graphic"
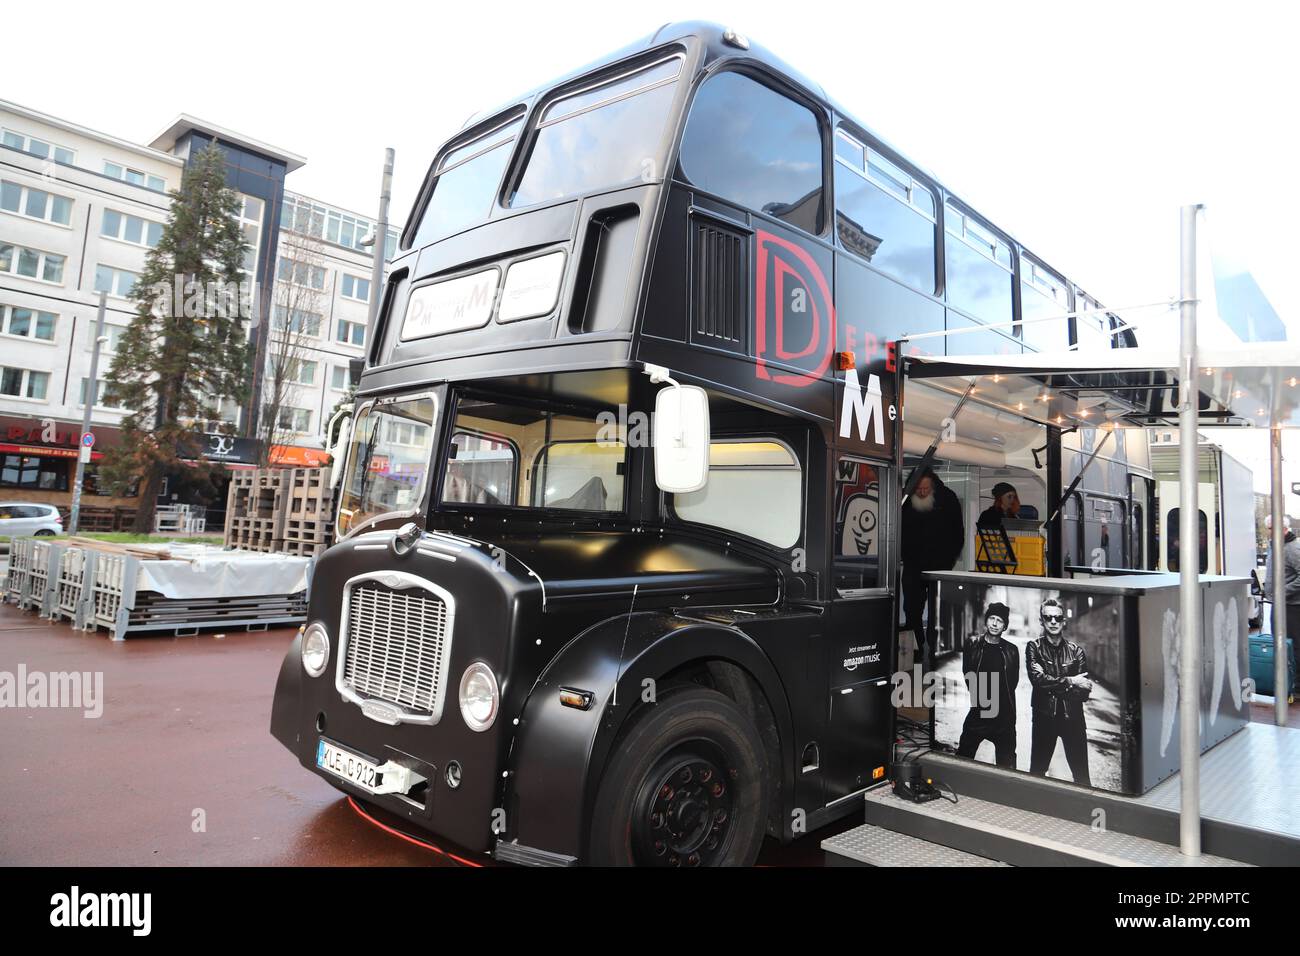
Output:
[[861, 517]]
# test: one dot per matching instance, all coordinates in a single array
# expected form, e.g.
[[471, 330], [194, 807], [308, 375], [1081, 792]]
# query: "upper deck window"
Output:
[[978, 268], [600, 137], [1043, 294], [468, 177], [750, 144], [883, 214], [1092, 327]]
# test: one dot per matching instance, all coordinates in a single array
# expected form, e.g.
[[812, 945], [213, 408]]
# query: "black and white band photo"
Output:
[[1033, 688]]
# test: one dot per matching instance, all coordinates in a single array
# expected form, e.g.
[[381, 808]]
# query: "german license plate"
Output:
[[348, 766]]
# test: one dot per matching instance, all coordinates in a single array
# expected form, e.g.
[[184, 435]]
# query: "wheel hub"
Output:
[[684, 813]]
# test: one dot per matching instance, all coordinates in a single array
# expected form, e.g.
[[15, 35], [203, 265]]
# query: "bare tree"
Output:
[[301, 292]]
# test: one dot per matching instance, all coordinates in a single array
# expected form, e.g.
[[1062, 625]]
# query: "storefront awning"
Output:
[[1245, 384]]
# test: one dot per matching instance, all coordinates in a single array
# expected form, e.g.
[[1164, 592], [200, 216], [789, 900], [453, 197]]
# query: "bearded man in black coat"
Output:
[[933, 535]]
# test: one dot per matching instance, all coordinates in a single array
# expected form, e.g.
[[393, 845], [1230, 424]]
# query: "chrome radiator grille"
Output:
[[396, 644]]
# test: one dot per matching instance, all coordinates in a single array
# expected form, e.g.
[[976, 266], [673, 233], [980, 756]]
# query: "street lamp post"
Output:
[[380, 241], [83, 451]]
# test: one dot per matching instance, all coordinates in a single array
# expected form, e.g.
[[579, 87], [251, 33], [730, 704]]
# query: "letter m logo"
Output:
[[862, 407], [478, 296]]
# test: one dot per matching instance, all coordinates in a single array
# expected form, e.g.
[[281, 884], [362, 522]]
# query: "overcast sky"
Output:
[[1079, 127]]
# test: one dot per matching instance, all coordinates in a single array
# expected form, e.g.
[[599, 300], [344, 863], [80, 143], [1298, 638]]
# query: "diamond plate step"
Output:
[[1246, 816], [868, 845], [1021, 837]]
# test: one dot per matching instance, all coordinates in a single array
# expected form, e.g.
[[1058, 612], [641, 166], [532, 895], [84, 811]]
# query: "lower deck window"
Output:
[[513, 455], [1173, 530], [860, 539], [755, 488]]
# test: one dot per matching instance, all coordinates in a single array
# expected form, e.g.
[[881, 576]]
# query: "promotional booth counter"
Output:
[[1127, 628]]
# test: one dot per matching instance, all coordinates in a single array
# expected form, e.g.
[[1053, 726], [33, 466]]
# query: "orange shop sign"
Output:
[[299, 456]]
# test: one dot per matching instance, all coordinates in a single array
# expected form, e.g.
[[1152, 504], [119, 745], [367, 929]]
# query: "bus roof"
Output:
[[717, 46]]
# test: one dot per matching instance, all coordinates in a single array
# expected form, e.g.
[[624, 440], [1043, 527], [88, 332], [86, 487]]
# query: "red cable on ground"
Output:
[[410, 839]]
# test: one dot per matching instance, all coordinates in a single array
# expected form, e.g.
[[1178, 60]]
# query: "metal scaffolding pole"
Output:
[[1189, 533], [1277, 560]]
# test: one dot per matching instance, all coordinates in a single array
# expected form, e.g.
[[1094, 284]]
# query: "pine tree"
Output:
[[183, 353]]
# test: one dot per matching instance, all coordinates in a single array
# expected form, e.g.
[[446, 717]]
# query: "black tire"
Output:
[[659, 802], [45, 533]]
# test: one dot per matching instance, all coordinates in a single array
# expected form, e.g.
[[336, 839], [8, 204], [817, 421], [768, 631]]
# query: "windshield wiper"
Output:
[[365, 473]]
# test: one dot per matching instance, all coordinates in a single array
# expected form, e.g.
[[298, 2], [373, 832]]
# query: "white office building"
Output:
[[79, 209]]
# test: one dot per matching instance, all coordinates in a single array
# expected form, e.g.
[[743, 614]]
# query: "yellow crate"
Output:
[[1031, 554], [1030, 551]]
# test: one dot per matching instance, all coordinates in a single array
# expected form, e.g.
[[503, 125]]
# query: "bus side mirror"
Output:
[[681, 438]]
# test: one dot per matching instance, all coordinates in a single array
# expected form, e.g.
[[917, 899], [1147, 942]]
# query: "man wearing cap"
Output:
[[992, 668], [1006, 504]]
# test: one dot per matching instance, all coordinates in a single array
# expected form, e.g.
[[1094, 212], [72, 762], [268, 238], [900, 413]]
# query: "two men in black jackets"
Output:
[[1057, 669]]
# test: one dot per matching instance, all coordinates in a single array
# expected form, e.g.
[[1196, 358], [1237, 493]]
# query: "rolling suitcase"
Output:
[[1261, 664]]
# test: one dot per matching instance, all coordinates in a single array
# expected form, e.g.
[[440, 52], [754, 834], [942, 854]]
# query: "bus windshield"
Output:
[[388, 458], [600, 137], [515, 456], [468, 178], [607, 134]]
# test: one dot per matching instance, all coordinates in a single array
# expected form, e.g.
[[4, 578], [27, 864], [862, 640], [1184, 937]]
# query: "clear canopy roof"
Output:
[[1248, 384]]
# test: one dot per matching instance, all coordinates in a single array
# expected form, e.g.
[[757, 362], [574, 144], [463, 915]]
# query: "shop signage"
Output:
[[299, 456], [230, 448], [44, 451], [46, 433]]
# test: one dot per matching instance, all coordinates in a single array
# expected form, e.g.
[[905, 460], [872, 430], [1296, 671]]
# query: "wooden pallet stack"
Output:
[[96, 519], [309, 526], [256, 509], [280, 510], [106, 519]]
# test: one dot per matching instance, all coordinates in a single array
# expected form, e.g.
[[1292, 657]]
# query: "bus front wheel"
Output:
[[685, 787]]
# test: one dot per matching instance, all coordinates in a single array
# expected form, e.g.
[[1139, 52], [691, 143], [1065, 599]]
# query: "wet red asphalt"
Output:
[[185, 729]]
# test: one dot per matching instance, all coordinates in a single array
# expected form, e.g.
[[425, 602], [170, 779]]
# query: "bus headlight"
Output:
[[315, 649], [478, 696]]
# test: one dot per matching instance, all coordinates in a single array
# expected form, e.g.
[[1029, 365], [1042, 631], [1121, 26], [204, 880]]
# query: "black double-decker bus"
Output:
[[521, 641]]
